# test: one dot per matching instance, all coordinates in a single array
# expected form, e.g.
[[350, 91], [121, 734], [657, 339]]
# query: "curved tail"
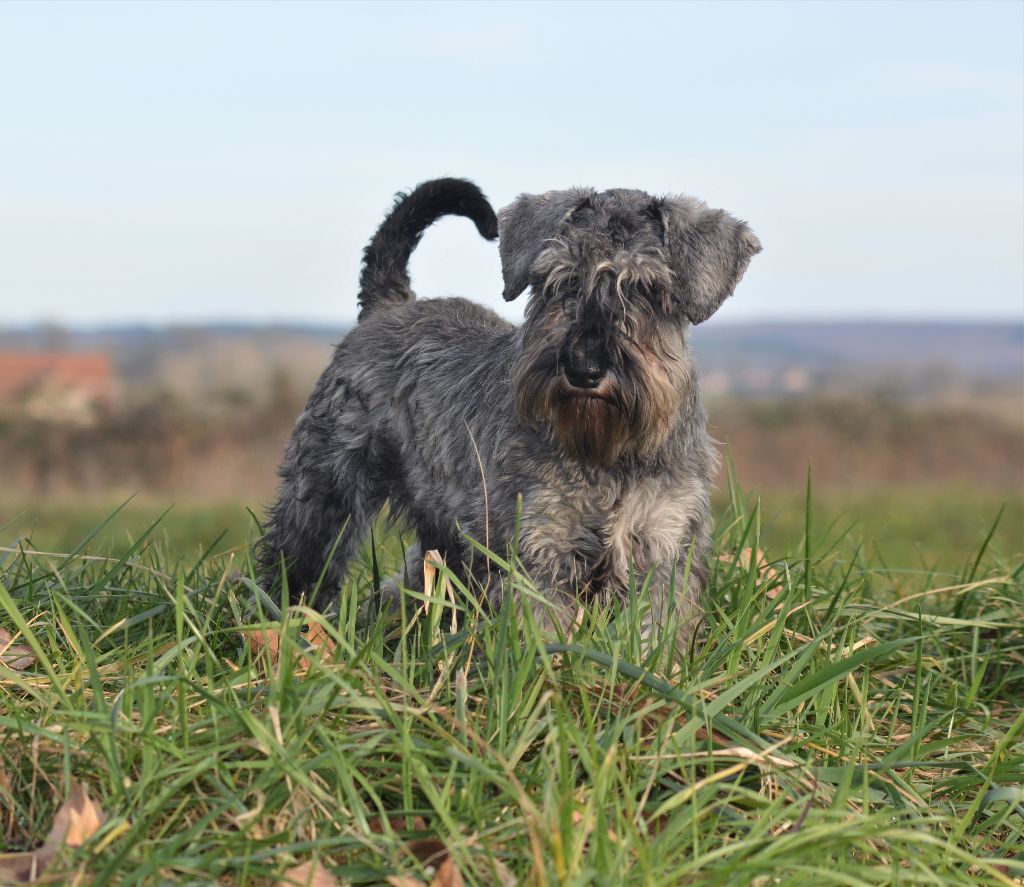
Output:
[[385, 275]]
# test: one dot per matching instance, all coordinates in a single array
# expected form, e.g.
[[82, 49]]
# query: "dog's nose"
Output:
[[584, 376], [583, 367]]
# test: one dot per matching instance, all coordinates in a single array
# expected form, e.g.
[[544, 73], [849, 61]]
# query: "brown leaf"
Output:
[[505, 877], [270, 640], [433, 853], [7, 821], [77, 820], [429, 851], [448, 875], [430, 561], [766, 573], [318, 637], [16, 656], [309, 874], [397, 824], [431, 558], [22, 868]]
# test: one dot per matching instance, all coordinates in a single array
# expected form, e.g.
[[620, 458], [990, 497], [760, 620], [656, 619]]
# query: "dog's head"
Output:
[[616, 279]]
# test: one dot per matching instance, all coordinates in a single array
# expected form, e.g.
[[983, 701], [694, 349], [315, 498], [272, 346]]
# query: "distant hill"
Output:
[[974, 348], [915, 357], [769, 358]]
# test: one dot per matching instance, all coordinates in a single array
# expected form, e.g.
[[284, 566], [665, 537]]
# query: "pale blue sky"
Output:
[[195, 161]]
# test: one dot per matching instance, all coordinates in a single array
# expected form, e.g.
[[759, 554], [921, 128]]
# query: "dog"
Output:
[[583, 429]]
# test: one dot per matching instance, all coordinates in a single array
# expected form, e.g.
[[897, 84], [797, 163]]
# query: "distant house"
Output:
[[57, 386]]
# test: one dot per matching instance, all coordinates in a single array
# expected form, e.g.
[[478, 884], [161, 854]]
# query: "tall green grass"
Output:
[[900, 527], [838, 722]]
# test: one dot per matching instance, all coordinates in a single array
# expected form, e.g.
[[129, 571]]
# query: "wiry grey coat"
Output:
[[590, 411]]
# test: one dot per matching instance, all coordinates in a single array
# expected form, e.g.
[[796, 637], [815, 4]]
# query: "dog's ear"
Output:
[[708, 251], [524, 228]]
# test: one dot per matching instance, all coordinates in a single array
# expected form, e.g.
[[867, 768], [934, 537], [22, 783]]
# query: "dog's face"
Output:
[[616, 279]]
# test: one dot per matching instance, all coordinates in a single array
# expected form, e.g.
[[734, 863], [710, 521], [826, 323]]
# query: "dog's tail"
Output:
[[385, 276]]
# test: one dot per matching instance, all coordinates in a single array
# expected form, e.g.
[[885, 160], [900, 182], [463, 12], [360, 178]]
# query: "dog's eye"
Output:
[[565, 292], [566, 303], [558, 287], [651, 293]]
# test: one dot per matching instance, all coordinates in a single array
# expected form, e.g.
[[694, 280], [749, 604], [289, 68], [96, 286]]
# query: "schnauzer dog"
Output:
[[589, 414]]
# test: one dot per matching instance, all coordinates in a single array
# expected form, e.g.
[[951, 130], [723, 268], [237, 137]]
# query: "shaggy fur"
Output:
[[590, 411]]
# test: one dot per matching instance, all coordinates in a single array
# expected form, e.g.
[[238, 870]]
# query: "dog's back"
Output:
[[345, 457]]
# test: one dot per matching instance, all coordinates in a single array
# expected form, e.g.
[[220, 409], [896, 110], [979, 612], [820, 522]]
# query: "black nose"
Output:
[[584, 365]]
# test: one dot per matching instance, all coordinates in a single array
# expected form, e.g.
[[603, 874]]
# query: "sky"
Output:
[[201, 161]]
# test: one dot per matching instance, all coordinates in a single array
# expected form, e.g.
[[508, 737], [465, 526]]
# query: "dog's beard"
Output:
[[595, 430]]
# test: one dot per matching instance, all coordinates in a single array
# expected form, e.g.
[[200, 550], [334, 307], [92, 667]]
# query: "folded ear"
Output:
[[708, 251], [524, 228]]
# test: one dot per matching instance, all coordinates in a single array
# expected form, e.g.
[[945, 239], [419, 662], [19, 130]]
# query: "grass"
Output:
[[909, 527], [839, 723], [930, 529]]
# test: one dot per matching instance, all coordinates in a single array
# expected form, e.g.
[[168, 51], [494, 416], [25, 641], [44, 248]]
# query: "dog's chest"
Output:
[[598, 533]]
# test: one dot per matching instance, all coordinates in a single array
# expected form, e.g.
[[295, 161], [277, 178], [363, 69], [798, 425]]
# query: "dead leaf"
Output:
[[397, 824], [429, 851], [22, 868], [309, 874], [270, 639], [430, 561], [16, 656], [83, 815], [505, 876], [7, 822], [448, 875], [318, 637], [768, 575], [433, 853], [77, 820]]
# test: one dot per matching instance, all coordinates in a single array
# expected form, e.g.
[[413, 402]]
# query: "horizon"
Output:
[[326, 324], [43, 327], [192, 163]]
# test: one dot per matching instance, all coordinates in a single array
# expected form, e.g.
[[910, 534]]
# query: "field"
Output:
[[850, 715], [850, 712], [908, 527]]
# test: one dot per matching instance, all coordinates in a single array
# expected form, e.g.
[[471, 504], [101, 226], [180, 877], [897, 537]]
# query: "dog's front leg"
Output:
[[558, 573], [674, 588]]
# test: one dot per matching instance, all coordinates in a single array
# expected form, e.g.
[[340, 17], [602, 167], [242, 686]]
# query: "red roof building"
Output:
[[57, 385]]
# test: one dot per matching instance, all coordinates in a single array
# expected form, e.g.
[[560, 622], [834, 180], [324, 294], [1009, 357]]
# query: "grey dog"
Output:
[[590, 411]]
